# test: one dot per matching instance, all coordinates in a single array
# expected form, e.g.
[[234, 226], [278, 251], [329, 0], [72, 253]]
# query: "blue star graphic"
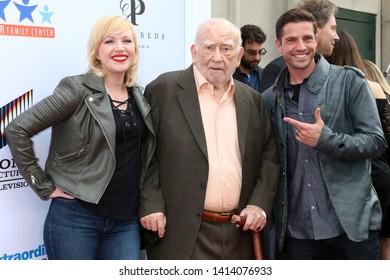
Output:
[[3, 5], [46, 16], [25, 11]]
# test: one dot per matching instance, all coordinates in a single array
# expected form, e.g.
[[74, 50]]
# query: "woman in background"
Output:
[[374, 74], [101, 144], [345, 52]]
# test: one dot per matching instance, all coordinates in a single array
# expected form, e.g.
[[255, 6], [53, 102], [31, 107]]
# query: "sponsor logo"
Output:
[[132, 10], [11, 110], [10, 177], [36, 253], [24, 25]]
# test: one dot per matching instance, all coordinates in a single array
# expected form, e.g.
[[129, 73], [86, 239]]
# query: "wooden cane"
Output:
[[240, 220]]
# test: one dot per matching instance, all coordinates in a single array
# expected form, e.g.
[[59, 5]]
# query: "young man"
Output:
[[249, 71], [326, 122], [216, 155], [324, 12]]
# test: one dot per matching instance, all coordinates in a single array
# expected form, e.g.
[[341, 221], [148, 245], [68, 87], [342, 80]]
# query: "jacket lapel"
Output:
[[143, 106], [100, 107], [242, 111], [189, 102]]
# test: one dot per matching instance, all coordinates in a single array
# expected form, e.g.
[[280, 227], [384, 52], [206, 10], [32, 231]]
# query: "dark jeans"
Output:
[[337, 248], [73, 232]]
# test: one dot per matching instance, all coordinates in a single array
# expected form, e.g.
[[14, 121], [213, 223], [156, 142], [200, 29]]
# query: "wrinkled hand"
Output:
[[307, 133], [256, 219], [155, 222], [60, 193]]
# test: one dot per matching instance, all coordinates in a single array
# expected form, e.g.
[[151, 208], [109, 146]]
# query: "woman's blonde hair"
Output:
[[374, 74], [104, 27]]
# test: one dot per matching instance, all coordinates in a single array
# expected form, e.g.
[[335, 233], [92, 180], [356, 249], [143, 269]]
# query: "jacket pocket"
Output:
[[72, 155]]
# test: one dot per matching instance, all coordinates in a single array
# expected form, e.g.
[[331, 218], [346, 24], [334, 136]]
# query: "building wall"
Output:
[[265, 13], [385, 43]]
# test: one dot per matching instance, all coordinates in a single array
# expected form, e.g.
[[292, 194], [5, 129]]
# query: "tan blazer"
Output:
[[177, 177]]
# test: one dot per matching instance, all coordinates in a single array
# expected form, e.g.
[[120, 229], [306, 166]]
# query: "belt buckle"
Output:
[[225, 213]]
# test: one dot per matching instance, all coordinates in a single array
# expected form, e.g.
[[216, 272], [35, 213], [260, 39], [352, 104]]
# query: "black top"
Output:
[[120, 200], [381, 164]]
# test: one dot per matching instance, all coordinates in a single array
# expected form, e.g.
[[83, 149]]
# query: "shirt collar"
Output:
[[201, 82]]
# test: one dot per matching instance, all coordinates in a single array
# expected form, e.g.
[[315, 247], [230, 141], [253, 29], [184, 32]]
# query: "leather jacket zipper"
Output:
[[77, 154], [33, 180]]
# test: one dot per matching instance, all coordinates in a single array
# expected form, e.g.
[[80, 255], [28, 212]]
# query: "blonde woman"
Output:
[[102, 141]]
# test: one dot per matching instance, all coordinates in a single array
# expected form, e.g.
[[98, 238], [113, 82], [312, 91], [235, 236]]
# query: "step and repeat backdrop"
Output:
[[43, 41]]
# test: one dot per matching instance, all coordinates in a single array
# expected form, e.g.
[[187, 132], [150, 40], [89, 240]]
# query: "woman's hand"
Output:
[[60, 193]]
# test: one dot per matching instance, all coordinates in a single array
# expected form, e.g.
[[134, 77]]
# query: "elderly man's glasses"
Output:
[[263, 51]]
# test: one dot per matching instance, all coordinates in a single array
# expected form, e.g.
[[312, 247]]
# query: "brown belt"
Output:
[[219, 217]]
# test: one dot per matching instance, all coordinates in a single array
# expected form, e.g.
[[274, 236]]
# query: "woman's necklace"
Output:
[[118, 103]]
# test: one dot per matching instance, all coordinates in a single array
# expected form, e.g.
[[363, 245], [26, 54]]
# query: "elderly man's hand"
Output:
[[155, 222], [256, 218]]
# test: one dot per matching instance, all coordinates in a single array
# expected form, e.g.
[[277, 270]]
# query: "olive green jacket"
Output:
[[81, 159]]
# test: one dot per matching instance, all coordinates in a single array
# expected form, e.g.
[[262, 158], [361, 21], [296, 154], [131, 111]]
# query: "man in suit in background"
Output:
[[216, 155], [324, 11], [249, 71]]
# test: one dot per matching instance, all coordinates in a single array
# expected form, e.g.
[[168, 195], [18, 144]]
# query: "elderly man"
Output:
[[216, 155]]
